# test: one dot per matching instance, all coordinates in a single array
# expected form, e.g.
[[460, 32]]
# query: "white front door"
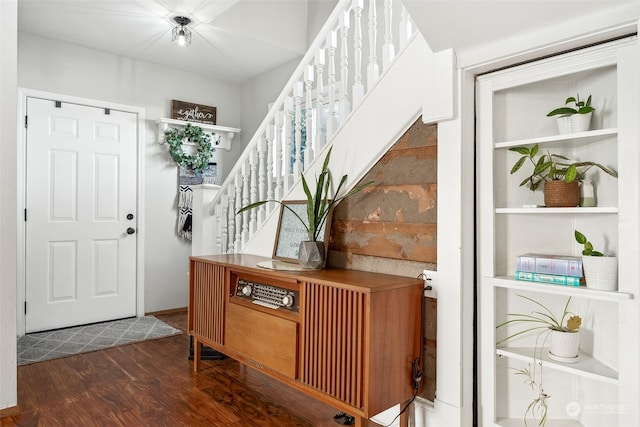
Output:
[[80, 214]]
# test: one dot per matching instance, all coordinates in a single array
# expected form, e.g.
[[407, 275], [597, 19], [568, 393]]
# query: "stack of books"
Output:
[[556, 269]]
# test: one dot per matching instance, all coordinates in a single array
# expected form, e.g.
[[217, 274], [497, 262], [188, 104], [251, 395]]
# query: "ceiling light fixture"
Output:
[[180, 34]]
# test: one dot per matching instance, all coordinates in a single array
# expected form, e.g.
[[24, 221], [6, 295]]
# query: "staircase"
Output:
[[358, 88]]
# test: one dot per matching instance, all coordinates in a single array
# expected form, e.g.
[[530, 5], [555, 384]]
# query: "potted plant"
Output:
[[600, 271], [311, 253], [559, 175], [573, 119], [562, 333], [563, 337]]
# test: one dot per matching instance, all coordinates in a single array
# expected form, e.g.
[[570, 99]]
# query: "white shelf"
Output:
[[518, 422], [545, 210], [548, 288], [221, 136], [587, 366], [581, 137]]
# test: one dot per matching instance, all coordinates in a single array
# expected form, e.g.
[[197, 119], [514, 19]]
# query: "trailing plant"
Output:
[[588, 246], [552, 167], [194, 134], [539, 406], [543, 321], [579, 107], [319, 204]]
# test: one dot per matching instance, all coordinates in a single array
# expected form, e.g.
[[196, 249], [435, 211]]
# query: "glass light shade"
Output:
[[181, 35]]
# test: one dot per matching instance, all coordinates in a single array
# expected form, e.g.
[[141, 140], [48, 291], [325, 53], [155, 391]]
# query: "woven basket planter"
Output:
[[560, 194]]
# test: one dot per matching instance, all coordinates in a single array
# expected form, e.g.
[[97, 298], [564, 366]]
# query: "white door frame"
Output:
[[23, 94]]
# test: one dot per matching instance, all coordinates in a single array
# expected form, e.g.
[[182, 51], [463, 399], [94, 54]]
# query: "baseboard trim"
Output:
[[179, 310], [11, 411]]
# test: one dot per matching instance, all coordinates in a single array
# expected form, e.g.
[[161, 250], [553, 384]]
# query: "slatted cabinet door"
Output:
[[207, 301]]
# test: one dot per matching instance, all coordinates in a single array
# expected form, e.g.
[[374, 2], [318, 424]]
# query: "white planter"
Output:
[[580, 122], [564, 124], [574, 123], [564, 346], [601, 272]]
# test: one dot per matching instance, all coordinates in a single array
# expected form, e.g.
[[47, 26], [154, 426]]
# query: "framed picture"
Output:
[[291, 232]]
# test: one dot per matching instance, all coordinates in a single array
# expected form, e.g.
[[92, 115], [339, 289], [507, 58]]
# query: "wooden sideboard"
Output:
[[349, 339]]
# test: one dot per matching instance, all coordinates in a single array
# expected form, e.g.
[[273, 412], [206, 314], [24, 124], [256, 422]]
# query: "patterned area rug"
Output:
[[40, 346]]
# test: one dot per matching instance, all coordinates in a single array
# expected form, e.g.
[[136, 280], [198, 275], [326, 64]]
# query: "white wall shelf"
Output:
[[547, 288], [587, 366], [517, 422], [580, 137], [221, 136], [563, 211]]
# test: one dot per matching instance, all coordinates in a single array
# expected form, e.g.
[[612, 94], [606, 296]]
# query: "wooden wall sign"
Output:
[[190, 112]]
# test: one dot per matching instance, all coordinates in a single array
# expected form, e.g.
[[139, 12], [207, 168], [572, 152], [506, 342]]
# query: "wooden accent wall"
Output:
[[396, 218]]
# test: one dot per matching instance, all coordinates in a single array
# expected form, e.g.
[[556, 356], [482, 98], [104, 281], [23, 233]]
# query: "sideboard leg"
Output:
[[359, 421], [197, 348]]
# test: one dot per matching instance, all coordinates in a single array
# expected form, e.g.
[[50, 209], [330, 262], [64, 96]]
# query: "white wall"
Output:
[[64, 68], [8, 199]]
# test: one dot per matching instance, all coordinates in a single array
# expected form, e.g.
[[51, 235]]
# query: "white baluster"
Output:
[[240, 220], [406, 27], [344, 106], [269, 139], [261, 170], [289, 131], [308, 123], [280, 151], [332, 44], [297, 164], [232, 217], [321, 130], [372, 68], [222, 217], [388, 49], [246, 185], [358, 86], [253, 190]]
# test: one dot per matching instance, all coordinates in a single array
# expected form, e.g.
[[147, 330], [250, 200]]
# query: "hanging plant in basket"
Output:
[[192, 134]]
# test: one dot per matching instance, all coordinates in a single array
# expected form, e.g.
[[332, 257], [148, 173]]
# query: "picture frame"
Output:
[[290, 232], [192, 112]]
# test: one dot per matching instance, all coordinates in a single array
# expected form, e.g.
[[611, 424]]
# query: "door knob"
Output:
[[130, 230]]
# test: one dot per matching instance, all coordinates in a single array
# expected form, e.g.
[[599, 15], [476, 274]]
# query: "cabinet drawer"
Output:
[[264, 340]]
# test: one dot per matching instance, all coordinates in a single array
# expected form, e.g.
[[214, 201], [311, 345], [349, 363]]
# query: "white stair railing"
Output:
[[309, 111]]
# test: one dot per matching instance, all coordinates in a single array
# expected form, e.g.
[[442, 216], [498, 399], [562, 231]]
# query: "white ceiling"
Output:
[[236, 40], [233, 40]]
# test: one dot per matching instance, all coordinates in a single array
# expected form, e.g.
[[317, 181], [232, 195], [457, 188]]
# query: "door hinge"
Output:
[[25, 215], [25, 307], [58, 104], [26, 121]]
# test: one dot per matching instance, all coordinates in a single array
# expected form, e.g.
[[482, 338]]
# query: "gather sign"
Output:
[[190, 112]]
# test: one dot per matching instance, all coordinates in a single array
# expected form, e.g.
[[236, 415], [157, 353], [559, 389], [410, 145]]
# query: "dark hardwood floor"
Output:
[[153, 384]]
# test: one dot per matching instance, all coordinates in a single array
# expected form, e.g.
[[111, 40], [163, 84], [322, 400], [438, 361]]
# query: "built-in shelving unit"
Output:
[[601, 388]]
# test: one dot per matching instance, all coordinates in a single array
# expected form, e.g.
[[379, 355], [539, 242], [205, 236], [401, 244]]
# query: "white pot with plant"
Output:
[[311, 253], [559, 175], [563, 337], [600, 271], [573, 119]]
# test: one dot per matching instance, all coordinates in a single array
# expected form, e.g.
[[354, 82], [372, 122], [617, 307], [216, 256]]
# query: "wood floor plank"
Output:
[[152, 383]]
